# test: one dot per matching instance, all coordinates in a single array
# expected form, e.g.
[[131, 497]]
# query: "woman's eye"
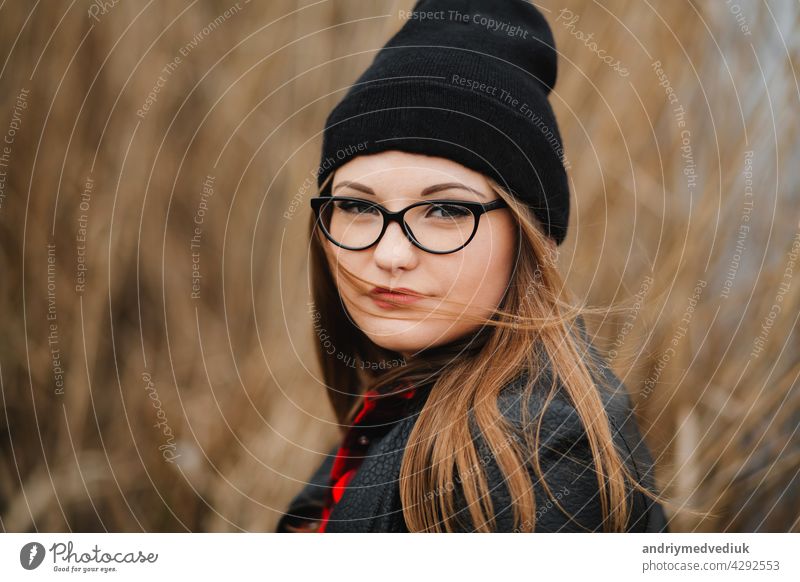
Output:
[[354, 207], [451, 211]]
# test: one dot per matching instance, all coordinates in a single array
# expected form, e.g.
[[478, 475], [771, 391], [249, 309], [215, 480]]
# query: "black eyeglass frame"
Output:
[[477, 209]]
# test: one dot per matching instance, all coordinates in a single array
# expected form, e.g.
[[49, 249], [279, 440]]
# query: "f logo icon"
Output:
[[31, 555]]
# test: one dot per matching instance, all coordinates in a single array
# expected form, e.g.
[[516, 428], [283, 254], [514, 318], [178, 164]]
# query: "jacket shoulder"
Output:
[[566, 459]]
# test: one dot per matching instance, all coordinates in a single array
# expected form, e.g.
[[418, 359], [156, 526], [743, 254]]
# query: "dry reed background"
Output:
[[233, 369]]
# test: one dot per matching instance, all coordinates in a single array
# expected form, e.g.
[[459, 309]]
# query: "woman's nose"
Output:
[[394, 250]]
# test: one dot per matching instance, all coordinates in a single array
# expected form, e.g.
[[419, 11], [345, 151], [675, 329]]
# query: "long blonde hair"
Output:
[[465, 375]]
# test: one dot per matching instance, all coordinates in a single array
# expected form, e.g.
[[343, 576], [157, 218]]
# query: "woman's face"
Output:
[[476, 275]]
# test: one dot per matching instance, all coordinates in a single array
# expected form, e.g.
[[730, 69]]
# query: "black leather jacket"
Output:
[[371, 502]]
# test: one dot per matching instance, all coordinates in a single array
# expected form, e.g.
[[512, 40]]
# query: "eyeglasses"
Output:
[[436, 226]]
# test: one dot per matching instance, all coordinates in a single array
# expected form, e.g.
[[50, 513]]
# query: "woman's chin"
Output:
[[397, 343], [403, 337], [407, 341]]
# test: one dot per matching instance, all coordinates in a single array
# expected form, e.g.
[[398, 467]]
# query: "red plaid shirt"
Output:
[[377, 412]]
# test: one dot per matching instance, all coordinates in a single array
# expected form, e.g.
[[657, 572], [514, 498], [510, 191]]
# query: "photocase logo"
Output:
[[31, 555]]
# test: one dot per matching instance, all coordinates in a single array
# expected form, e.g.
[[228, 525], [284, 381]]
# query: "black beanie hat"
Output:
[[466, 80]]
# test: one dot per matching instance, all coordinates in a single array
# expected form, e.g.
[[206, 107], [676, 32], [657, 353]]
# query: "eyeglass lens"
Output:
[[437, 226]]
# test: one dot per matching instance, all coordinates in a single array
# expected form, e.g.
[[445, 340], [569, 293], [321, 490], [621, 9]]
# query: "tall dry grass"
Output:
[[229, 374]]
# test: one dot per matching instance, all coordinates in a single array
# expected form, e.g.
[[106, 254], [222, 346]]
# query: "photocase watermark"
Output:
[[736, 10], [473, 470], [20, 105], [744, 228], [81, 268], [206, 192], [536, 282], [509, 100], [100, 8], [687, 155], [310, 183], [689, 167], [663, 81], [680, 333], [542, 509], [53, 341], [347, 359], [487, 22], [169, 69], [352, 362], [160, 83], [568, 19], [31, 555], [95, 560], [630, 318], [783, 288], [530, 290], [169, 448]]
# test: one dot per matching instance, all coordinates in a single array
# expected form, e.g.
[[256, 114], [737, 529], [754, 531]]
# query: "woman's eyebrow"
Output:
[[354, 186], [429, 190]]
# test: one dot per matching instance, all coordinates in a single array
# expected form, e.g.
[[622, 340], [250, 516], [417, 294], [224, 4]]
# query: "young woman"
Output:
[[470, 394]]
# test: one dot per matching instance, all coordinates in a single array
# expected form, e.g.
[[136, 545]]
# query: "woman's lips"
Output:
[[381, 297]]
